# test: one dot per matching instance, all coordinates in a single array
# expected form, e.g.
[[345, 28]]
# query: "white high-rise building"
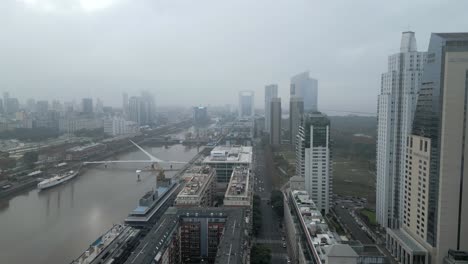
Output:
[[246, 104], [314, 158], [119, 126], [271, 91], [396, 106], [307, 88]]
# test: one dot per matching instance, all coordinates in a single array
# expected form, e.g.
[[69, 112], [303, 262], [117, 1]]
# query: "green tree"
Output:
[[30, 157], [276, 198], [260, 254], [257, 215]]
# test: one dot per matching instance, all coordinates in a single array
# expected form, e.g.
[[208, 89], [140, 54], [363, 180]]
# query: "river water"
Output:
[[56, 225]]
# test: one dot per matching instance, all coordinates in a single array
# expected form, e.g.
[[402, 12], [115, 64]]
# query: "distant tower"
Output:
[[271, 91], [307, 88], [6, 99], [396, 105], [296, 111], [275, 124], [87, 104], [246, 104], [134, 110], [125, 103]]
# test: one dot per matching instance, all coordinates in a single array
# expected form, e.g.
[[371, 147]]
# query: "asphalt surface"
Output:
[[270, 232], [347, 219]]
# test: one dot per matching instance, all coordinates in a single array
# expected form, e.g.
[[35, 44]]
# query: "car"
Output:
[[282, 238], [284, 245]]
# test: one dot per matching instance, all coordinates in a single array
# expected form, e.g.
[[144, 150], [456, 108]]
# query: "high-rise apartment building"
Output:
[[307, 88], [125, 104], [396, 104], [200, 116], [87, 104], [134, 110], [246, 104], [275, 124], [6, 98], [435, 219], [296, 111], [314, 158], [271, 91]]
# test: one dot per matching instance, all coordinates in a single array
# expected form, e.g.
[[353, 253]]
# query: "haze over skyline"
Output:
[[205, 52]]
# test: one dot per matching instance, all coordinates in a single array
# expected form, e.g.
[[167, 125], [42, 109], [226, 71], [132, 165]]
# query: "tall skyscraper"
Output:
[[296, 111], [148, 108], [435, 215], [314, 158], [396, 104], [87, 104], [307, 88], [6, 98], [246, 104], [125, 103], [134, 109], [275, 124], [31, 105], [271, 91], [200, 116]]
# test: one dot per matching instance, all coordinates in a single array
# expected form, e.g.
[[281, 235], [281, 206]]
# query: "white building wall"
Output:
[[396, 105], [318, 175]]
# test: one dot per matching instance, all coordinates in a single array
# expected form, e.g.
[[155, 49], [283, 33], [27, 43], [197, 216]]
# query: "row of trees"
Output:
[[257, 215], [276, 199], [260, 254], [26, 134]]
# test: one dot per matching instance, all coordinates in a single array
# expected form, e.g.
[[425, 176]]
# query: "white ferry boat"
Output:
[[57, 179]]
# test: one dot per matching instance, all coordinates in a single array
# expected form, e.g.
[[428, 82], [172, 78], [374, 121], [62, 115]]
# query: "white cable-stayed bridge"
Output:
[[152, 159]]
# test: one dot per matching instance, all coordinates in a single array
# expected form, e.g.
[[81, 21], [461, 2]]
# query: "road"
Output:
[[270, 234], [347, 219]]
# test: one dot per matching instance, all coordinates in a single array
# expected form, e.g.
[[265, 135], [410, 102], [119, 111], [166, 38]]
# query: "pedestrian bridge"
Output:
[[152, 159]]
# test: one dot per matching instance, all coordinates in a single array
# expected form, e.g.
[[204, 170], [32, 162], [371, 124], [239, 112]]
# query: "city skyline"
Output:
[[123, 66]]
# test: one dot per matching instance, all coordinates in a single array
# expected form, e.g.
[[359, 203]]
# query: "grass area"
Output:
[[370, 216], [353, 178]]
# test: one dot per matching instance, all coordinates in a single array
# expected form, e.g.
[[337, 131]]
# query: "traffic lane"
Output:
[[352, 226]]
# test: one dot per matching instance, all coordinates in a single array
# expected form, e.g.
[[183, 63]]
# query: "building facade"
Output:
[[200, 116], [271, 91], [307, 88], [87, 105], [246, 104], [396, 105], [275, 124], [296, 111], [239, 191], [314, 158], [199, 188], [119, 126]]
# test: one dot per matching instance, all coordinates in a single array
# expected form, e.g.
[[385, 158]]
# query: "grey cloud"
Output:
[[204, 52]]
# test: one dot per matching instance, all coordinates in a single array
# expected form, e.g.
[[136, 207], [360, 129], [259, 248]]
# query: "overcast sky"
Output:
[[205, 52]]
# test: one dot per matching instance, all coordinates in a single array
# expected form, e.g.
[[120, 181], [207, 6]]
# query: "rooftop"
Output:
[[196, 178], [319, 237], [230, 154], [239, 183]]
